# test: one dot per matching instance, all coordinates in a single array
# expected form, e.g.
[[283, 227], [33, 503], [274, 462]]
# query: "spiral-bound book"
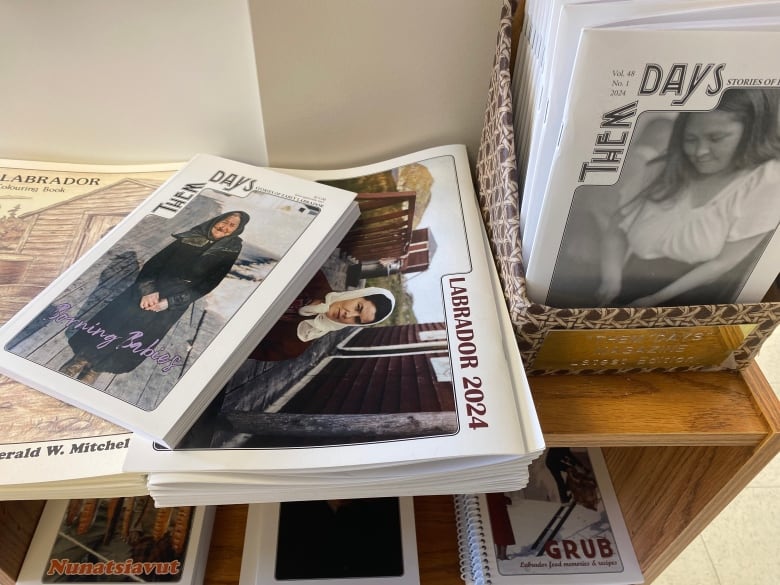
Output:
[[564, 527]]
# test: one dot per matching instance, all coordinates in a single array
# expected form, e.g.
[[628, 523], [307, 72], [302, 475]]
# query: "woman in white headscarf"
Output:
[[319, 310]]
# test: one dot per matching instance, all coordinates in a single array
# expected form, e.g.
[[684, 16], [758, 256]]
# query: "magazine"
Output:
[[118, 540], [146, 327], [390, 407], [529, 92], [564, 527], [347, 541], [642, 207], [46, 223], [557, 35]]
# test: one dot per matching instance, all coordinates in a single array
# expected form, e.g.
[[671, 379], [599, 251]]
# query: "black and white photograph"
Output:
[[662, 184], [694, 208]]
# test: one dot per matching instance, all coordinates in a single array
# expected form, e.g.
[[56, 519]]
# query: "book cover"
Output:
[[433, 385], [50, 214], [118, 540], [556, 38], [565, 526], [644, 207], [149, 323], [346, 541]]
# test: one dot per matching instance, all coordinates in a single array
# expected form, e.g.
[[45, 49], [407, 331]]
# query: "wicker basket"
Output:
[[533, 322]]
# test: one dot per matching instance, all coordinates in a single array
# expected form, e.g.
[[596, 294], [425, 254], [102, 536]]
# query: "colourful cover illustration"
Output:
[[50, 215], [118, 540], [565, 526]]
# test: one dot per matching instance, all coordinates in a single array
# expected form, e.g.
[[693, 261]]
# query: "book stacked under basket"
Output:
[[582, 340]]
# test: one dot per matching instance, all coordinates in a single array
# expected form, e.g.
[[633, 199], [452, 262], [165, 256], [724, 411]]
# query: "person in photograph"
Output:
[[319, 310], [500, 523], [168, 283], [693, 233]]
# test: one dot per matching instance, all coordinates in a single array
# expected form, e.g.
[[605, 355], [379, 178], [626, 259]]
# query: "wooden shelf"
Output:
[[697, 408], [679, 448], [18, 520], [437, 546]]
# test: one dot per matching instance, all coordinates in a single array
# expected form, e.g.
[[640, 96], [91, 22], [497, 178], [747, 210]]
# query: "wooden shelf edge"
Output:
[[765, 397], [655, 440], [706, 408], [740, 478]]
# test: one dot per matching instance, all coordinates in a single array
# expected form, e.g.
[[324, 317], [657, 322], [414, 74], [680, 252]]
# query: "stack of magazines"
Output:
[[276, 335], [647, 141]]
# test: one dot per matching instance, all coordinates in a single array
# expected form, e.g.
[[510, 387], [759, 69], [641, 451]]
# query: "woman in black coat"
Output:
[[168, 283]]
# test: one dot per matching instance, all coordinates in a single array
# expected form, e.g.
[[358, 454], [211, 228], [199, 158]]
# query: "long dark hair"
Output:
[[756, 108]]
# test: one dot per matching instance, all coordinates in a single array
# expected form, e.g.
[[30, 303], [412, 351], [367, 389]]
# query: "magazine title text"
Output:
[[679, 81], [610, 145]]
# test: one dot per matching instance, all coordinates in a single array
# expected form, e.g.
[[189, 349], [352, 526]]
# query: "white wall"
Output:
[[343, 82], [347, 82], [113, 81]]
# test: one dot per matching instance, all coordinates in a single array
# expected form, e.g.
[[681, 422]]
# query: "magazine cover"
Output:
[[662, 187], [396, 352], [559, 39], [147, 325], [118, 540], [50, 214], [565, 526], [354, 541]]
